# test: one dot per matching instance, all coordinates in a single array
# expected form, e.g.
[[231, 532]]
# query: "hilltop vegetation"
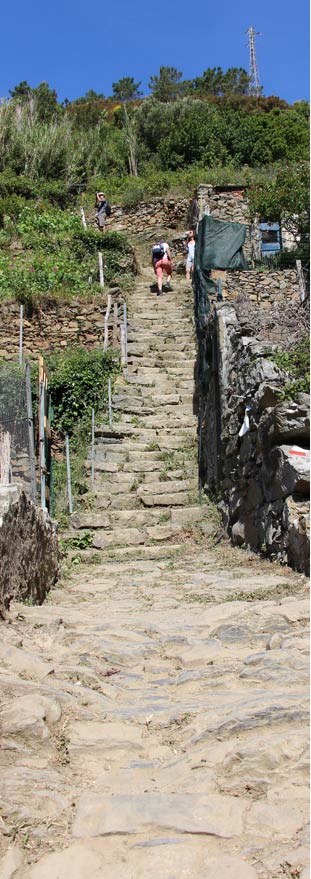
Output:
[[134, 148], [210, 121]]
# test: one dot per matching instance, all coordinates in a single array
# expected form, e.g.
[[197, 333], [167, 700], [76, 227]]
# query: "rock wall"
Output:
[[261, 481], [150, 218], [263, 288], [52, 326], [226, 203], [28, 549]]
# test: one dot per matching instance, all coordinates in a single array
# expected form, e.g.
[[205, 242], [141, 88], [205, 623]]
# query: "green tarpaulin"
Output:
[[219, 246]]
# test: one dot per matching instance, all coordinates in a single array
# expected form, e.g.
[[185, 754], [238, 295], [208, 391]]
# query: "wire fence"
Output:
[[25, 449], [16, 429]]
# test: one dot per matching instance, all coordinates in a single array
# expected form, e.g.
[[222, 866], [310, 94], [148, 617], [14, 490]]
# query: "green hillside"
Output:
[[133, 148]]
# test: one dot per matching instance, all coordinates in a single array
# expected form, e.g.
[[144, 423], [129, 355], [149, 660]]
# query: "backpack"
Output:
[[108, 209], [158, 251]]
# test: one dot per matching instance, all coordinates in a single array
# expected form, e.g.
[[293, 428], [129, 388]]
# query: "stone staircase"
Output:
[[154, 712], [146, 486]]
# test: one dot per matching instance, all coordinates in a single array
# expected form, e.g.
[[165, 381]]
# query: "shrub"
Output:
[[296, 363], [11, 207], [54, 192], [78, 384]]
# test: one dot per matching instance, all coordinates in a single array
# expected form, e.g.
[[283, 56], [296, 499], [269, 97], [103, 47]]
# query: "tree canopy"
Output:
[[167, 86], [126, 89]]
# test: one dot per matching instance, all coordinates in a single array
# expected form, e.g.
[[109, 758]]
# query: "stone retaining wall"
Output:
[[224, 204], [263, 287], [150, 218], [261, 482], [229, 204], [28, 549], [53, 326]]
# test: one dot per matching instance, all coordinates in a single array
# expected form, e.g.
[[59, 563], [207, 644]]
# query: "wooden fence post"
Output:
[[83, 218], [301, 280], [101, 270]]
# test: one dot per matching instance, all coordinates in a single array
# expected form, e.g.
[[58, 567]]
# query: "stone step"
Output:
[[150, 552], [165, 486], [114, 453], [120, 501], [128, 467], [158, 362], [133, 408], [185, 371], [178, 499], [159, 331], [115, 484], [119, 537], [149, 399], [126, 447], [134, 536], [166, 421], [143, 435], [107, 520]]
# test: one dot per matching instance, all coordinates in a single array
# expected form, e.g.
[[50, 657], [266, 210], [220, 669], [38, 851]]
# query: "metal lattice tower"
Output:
[[254, 82]]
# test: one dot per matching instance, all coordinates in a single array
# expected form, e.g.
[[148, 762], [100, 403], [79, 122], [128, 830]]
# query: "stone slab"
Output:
[[158, 858], [213, 815]]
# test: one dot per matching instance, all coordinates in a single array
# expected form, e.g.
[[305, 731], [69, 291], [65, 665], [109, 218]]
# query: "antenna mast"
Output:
[[254, 82]]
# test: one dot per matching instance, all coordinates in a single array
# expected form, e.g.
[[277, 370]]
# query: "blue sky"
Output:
[[75, 46]]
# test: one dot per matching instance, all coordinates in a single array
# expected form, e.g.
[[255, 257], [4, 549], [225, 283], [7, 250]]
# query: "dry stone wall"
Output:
[[53, 326], [224, 203], [230, 204], [29, 557], [261, 480], [263, 288], [149, 218]]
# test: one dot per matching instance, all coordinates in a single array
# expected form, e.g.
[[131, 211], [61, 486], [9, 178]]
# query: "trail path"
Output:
[[154, 709]]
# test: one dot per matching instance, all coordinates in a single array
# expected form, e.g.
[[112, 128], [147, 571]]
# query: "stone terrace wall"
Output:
[[262, 288], [150, 218], [262, 483], [224, 204], [230, 204], [28, 549], [52, 327]]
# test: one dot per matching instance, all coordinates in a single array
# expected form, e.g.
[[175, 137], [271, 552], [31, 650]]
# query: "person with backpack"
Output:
[[103, 210], [162, 262]]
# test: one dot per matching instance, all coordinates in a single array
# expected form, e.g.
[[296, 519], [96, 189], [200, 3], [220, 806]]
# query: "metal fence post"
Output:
[[32, 455], [101, 270], [109, 301], [125, 335], [93, 448], [115, 325], [68, 475], [109, 401], [21, 327], [42, 444]]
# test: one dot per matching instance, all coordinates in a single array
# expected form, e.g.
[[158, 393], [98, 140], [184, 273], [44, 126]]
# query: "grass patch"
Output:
[[81, 541], [279, 591]]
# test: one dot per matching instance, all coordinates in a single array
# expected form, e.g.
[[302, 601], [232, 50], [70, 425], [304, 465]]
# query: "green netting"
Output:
[[219, 246]]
